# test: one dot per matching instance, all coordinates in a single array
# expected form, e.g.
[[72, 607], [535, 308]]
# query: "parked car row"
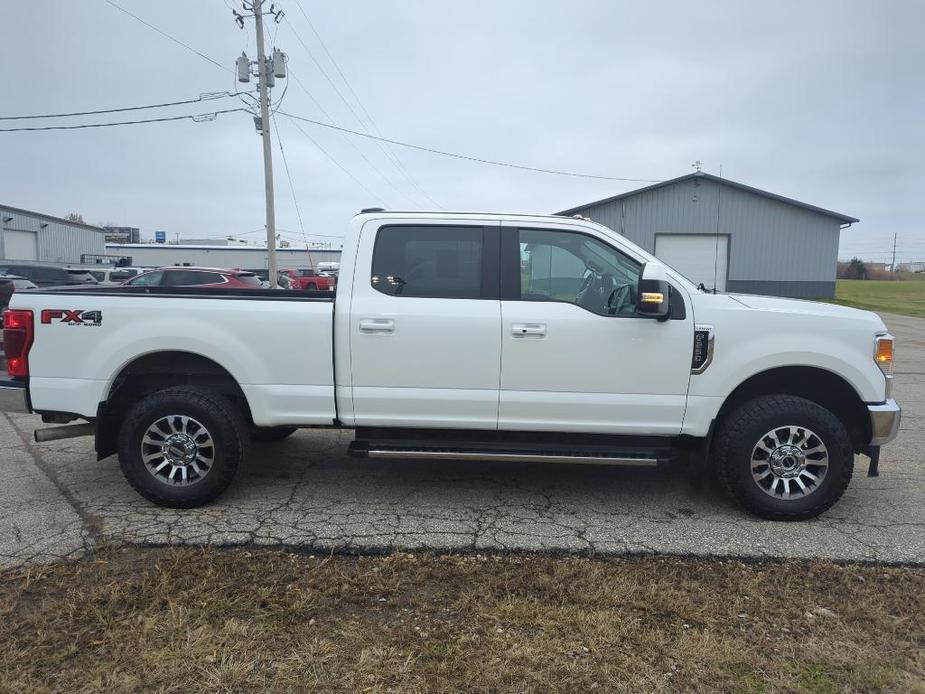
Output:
[[50, 275], [182, 276], [44, 274]]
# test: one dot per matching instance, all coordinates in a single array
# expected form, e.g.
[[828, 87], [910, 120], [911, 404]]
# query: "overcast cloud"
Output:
[[821, 101]]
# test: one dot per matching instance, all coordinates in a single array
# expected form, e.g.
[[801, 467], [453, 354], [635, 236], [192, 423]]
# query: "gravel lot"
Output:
[[57, 501]]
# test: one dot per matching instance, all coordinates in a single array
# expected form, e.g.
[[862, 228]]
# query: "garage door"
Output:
[[20, 245], [699, 257]]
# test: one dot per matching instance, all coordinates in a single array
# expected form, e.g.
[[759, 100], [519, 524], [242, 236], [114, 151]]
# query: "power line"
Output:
[[327, 77], [196, 118], [336, 163], [295, 200], [387, 151], [168, 36], [467, 157], [326, 236], [206, 96], [349, 141]]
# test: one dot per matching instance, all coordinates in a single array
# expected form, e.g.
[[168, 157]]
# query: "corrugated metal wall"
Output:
[[770, 241], [155, 255], [58, 241]]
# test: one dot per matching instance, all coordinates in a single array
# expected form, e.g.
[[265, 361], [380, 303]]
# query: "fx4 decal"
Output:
[[78, 317]]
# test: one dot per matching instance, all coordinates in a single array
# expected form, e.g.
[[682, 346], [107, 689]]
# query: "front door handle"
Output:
[[377, 325], [528, 329]]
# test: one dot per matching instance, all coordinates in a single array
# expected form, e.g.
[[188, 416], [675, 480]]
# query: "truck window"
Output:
[[428, 261], [578, 269]]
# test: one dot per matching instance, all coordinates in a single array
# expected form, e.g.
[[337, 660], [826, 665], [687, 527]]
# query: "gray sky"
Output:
[[821, 101]]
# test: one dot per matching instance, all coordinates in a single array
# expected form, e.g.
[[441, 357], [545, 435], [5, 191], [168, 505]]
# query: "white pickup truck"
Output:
[[465, 337]]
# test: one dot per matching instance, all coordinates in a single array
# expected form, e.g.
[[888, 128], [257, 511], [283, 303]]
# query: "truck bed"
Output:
[[277, 344]]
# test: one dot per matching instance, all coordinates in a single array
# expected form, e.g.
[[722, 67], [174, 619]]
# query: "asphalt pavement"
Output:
[[57, 501]]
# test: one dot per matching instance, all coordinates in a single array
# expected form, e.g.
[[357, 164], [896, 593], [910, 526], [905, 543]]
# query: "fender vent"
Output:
[[703, 348]]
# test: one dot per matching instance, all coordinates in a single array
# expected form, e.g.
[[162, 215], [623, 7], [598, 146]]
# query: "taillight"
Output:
[[18, 331]]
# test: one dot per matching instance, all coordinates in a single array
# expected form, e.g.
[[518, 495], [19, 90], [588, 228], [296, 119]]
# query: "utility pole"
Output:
[[266, 71], [262, 69], [893, 264]]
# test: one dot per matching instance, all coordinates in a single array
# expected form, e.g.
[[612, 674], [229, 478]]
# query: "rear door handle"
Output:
[[377, 325], [528, 329]]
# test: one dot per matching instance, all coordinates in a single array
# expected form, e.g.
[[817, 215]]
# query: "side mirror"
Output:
[[653, 300]]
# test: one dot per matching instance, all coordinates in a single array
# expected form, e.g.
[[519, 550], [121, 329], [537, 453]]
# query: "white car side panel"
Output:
[[700, 413], [601, 413], [284, 404], [452, 408], [278, 351], [75, 395], [593, 373], [749, 341], [438, 366]]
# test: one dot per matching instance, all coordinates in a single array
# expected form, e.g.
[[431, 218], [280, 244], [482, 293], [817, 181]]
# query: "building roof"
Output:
[[845, 219], [58, 220]]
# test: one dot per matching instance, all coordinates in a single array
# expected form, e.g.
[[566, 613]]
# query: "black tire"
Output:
[[743, 428], [312, 287], [270, 434], [224, 424]]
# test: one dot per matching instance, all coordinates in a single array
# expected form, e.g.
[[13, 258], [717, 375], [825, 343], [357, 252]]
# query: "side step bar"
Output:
[[410, 451], [509, 457]]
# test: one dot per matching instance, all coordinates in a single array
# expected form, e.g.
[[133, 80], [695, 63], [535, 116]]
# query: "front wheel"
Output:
[[181, 447], [783, 457]]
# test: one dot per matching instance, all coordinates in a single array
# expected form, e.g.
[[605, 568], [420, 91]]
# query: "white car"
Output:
[[463, 337], [109, 276]]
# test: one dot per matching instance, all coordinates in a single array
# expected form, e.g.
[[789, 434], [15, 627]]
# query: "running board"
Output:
[[398, 453]]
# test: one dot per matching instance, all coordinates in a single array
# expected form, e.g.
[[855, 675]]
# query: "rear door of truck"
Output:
[[425, 324]]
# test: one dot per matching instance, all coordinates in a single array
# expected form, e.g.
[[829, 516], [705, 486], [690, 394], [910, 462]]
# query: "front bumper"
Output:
[[884, 422], [14, 396]]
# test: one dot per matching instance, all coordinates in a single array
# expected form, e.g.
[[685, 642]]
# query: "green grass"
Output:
[[906, 298]]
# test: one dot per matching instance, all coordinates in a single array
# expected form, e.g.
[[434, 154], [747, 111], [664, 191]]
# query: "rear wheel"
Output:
[[783, 457], [312, 287], [269, 434], [181, 447]]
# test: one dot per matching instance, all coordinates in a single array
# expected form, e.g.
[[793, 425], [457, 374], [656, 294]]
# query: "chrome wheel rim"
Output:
[[789, 462], [177, 450]]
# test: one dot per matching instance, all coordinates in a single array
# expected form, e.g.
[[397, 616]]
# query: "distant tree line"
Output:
[[857, 269]]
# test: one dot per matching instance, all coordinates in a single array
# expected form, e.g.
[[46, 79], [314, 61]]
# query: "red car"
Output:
[[196, 277], [306, 278]]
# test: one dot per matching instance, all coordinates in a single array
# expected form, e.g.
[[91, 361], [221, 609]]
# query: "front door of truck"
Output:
[[575, 355], [425, 326]]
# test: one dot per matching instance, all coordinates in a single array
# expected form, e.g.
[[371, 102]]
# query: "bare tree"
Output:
[[75, 217]]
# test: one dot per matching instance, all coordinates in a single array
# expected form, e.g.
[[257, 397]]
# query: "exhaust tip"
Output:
[[70, 431]]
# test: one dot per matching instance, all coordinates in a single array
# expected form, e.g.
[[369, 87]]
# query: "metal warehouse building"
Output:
[[729, 235], [35, 236], [244, 257]]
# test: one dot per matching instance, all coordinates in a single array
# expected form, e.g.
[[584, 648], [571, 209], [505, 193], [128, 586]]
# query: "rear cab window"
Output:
[[433, 261]]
